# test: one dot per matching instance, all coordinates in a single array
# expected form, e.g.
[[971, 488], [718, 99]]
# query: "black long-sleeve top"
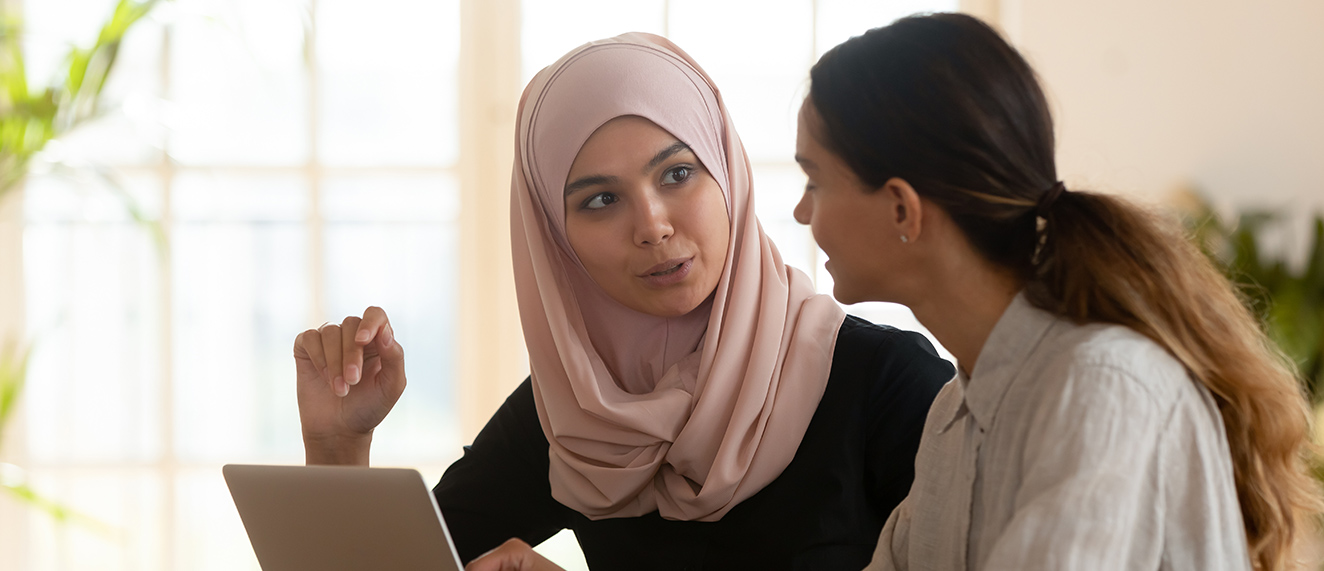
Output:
[[824, 511]]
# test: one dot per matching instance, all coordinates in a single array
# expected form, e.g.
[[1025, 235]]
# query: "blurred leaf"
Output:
[[1291, 304], [135, 210], [13, 73], [13, 374], [13, 479], [29, 121], [89, 68], [1314, 276]]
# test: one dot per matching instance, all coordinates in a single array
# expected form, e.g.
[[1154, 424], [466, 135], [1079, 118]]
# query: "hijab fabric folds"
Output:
[[688, 415]]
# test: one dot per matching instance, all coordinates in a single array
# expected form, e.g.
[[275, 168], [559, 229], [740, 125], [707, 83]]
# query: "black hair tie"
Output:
[[1046, 201], [1041, 219]]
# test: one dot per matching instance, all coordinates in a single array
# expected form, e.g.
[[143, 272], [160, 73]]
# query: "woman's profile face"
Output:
[[846, 217], [646, 218]]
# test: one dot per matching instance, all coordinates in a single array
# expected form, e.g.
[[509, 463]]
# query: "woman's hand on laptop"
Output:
[[349, 377], [513, 555]]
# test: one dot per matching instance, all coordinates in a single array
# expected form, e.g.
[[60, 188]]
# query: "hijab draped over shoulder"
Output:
[[686, 415]]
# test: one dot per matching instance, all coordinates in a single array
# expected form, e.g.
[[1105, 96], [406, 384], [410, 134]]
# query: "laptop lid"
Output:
[[340, 518]]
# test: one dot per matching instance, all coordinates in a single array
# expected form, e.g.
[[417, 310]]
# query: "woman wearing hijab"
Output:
[[692, 403]]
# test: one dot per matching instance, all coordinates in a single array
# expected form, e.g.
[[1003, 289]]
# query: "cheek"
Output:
[[716, 222], [821, 222], [839, 228], [594, 245]]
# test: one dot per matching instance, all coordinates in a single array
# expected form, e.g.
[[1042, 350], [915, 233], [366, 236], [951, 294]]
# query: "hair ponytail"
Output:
[[944, 103], [1107, 260]]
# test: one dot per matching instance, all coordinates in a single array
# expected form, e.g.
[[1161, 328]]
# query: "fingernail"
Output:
[[352, 374], [386, 336], [362, 336], [342, 389]]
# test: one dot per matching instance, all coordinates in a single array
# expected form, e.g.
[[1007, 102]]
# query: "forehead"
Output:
[[627, 142], [590, 87], [807, 124]]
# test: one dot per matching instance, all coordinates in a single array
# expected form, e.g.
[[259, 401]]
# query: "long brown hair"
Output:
[[943, 102]]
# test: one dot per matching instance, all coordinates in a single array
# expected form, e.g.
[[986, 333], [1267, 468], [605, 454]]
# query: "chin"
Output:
[[676, 309], [846, 295]]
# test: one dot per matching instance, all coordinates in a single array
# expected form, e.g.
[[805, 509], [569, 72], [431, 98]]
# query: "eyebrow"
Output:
[[594, 180], [588, 181], [665, 154], [804, 162]]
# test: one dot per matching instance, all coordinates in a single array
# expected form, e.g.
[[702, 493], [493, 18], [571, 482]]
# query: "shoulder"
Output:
[[1106, 364], [890, 362], [862, 340]]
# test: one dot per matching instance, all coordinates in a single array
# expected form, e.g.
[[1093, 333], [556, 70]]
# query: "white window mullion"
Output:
[[167, 467], [666, 18], [491, 344], [316, 258], [13, 513]]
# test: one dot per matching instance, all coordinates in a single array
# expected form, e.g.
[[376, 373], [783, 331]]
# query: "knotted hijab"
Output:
[[685, 415]]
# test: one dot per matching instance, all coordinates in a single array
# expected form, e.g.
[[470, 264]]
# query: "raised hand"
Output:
[[349, 377]]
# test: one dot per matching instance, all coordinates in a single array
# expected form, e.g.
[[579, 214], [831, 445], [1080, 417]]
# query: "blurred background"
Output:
[[252, 168]]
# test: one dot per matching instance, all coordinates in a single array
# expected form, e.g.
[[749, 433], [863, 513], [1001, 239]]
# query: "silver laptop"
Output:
[[341, 518]]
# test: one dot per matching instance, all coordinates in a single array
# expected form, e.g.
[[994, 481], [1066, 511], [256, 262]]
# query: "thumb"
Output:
[[391, 353]]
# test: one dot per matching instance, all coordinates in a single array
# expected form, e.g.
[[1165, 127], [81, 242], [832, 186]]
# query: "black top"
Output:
[[824, 511]]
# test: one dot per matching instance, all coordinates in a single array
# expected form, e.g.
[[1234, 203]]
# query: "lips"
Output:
[[665, 268], [668, 273]]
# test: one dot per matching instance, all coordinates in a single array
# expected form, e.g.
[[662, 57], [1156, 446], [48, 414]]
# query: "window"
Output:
[[294, 163]]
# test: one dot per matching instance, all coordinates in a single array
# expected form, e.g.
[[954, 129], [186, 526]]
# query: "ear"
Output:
[[906, 210]]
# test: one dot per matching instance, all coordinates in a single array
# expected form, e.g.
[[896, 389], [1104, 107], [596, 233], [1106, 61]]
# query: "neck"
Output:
[[961, 303]]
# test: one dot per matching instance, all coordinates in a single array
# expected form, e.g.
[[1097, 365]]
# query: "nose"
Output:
[[804, 210], [652, 221]]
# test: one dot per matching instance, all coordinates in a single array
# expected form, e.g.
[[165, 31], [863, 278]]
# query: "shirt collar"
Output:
[[1008, 347]]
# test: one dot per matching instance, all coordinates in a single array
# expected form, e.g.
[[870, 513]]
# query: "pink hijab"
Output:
[[686, 415]]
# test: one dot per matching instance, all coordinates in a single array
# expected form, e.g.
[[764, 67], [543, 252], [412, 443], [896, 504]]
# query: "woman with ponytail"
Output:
[[1117, 406]]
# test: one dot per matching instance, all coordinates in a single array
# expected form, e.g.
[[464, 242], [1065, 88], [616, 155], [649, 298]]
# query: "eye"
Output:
[[677, 174], [599, 200]]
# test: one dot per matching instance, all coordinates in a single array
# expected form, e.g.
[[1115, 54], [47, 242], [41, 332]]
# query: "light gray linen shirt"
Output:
[[1069, 447]]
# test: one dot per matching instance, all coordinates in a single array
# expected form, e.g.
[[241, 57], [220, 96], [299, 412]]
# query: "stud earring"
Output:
[[904, 239]]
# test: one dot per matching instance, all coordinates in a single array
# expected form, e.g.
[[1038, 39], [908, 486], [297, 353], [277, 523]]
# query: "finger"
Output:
[[506, 557], [351, 352], [374, 319], [389, 370], [371, 367], [391, 352], [308, 345], [513, 555], [334, 363]]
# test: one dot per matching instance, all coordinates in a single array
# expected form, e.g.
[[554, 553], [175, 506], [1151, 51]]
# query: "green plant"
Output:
[[13, 372], [13, 479], [1288, 297], [29, 120]]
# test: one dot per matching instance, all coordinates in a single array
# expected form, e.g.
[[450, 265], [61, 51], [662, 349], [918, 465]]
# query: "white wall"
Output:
[[1149, 96]]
